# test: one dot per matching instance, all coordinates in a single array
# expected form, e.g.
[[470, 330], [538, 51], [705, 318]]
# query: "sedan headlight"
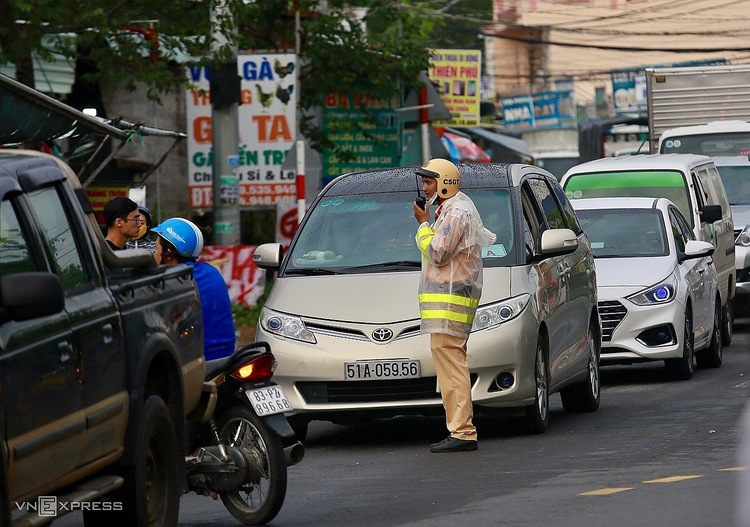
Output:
[[287, 326], [495, 314], [744, 238], [661, 293]]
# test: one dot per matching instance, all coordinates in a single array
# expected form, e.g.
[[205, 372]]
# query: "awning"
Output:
[[463, 149], [502, 148], [28, 116]]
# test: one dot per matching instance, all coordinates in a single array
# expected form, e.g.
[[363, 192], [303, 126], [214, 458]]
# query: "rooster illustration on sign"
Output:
[[284, 94], [266, 99], [281, 70]]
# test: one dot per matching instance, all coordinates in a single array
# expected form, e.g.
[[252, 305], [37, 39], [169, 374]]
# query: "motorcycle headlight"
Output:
[[661, 293], [286, 326], [744, 238], [495, 314]]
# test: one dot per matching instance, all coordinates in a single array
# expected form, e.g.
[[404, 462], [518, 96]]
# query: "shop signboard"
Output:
[[267, 125], [552, 109], [377, 146], [457, 74]]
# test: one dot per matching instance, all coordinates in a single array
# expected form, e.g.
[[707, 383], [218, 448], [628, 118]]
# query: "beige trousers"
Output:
[[449, 356]]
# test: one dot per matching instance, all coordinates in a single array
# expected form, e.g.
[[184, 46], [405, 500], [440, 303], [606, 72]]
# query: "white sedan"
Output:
[[658, 291]]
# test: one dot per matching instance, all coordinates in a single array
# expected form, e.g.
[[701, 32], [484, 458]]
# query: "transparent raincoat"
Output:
[[451, 281]]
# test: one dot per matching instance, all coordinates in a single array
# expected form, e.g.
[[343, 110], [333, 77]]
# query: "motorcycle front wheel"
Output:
[[260, 499]]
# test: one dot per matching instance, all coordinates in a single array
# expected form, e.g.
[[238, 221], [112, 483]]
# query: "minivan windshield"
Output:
[[642, 183], [715, 144], [364, 233]]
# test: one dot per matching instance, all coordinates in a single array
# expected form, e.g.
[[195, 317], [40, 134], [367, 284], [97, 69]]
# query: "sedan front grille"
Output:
[[611, 313]]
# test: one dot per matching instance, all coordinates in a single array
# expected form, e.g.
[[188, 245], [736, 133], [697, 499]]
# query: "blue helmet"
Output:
[[183, 234]]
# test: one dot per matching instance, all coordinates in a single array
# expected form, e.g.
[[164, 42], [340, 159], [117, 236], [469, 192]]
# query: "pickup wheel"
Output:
[[150, 496]]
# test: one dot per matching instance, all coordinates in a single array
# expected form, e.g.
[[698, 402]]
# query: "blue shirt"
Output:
[[218, 325]]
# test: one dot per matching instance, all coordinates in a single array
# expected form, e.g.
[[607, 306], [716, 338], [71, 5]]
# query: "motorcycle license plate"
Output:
[[268, 400], [381, 369]]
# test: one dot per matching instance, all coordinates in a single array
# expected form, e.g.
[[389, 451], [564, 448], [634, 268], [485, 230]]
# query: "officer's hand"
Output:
[[421, 215]]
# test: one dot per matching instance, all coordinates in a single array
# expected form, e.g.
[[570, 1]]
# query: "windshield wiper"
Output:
[[398, 265], [310, 271]]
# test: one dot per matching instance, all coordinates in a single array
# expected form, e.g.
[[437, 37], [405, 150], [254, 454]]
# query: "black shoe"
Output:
[[451, 444]]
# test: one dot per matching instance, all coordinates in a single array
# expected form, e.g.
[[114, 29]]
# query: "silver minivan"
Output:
[[342, 317], [691, 182]]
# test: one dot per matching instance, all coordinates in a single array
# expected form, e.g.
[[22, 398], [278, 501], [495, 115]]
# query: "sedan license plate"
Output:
[[269, 400], [366, 370]]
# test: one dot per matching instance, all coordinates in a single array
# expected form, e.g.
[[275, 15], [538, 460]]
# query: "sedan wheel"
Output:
[[712, 357], [682, 369], [585, 395], [537, 415]]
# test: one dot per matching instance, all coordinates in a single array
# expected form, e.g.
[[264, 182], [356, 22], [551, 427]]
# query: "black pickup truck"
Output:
[[101, 360]]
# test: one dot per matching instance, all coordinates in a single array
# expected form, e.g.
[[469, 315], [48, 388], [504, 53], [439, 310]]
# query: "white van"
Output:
[[692, 182]]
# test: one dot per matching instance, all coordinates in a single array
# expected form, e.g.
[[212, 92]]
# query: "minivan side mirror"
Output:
[[24, 296], [268, 256], [558, 241], [711, 213]]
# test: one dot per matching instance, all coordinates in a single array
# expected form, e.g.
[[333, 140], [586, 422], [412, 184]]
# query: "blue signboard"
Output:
[[553, 109]]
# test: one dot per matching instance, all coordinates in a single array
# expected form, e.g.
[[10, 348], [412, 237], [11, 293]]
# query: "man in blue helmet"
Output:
[[181, 242]]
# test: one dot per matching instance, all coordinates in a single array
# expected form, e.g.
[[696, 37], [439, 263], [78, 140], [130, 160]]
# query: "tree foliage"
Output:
[[134, 42]]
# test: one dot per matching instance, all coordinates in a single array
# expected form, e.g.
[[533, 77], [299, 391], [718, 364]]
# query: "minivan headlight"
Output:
[[661, 293], [495, 314], [286, 326], [743, 239]]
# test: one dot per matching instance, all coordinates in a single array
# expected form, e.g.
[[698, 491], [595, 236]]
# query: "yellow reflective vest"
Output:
[[451, 280]]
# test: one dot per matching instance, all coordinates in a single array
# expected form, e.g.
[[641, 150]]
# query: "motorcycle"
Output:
[[243, 443]]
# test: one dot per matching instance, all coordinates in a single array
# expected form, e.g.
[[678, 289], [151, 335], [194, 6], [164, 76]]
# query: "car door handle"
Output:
[[65, 350], [107, 333]]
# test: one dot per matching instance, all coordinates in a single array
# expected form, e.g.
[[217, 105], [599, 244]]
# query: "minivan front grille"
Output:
[[611, 313], [380, 391]]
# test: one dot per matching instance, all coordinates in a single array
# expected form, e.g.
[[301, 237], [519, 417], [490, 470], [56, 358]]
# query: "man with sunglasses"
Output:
[[123, 220]]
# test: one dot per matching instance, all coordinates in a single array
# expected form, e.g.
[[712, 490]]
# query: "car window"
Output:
[[700, 192], [60, 238], [623, 233], [642, 183], [568, 211], [550, 208], [736, 180], [14, 247], [680, 228]]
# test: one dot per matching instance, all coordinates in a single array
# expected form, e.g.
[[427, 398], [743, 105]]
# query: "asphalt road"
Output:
[[657, 453]]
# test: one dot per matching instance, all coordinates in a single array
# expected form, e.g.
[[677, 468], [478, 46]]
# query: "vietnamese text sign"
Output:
[[457, 73], [379, 147], [553, 109], [267, 130]]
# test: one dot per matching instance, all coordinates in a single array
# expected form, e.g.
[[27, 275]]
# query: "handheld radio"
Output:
[[421, 201]]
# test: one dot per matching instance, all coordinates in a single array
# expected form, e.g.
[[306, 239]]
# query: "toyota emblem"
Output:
[[382, 335]]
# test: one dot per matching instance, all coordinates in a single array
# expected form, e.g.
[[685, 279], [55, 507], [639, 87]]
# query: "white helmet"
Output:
[[447, 176]]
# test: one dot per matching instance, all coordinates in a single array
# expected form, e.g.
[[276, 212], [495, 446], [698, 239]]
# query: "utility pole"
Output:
[[225, 98]]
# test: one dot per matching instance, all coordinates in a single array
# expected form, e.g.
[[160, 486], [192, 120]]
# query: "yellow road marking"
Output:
[[732, 469], [671, 479], [606, 492]]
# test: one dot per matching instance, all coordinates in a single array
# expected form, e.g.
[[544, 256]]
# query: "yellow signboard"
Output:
[[457, 74]]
